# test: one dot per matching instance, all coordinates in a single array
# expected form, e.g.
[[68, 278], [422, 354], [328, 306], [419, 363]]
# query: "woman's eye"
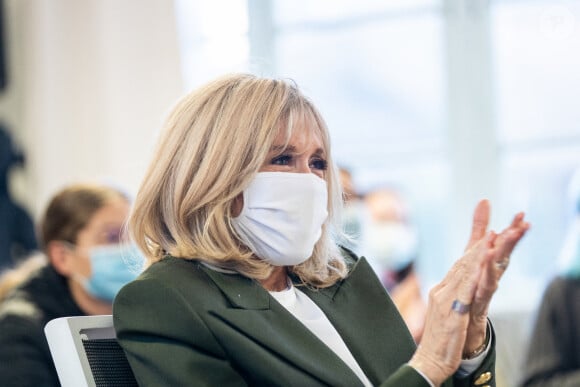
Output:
[[320, 164], [282, 160], [112, 236]]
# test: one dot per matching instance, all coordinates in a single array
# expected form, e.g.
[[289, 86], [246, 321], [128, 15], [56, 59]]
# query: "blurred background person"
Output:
[[553, 358], [85, 265], [17, 237], [351, 217], [390, 242]]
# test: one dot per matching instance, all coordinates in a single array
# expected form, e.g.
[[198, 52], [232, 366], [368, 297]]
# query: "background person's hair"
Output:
[[214, 142], [67, 213], [72, 208]]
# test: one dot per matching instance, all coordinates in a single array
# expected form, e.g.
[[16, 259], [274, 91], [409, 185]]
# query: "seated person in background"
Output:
[[351, 216], [17, 239], [80, 234], [553, 358], [247, 286], [391, 245]]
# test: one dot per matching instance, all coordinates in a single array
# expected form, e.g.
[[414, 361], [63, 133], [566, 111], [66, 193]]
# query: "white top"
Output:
[[309, 314]]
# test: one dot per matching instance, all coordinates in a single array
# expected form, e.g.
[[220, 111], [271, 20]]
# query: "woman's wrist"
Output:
[[475, 353], [476, 343], [428, 369]]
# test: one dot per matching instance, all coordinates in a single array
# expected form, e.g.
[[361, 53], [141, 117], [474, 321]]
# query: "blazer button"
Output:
[[483, 378]]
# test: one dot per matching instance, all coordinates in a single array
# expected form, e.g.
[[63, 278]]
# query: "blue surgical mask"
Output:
[[112, 267]]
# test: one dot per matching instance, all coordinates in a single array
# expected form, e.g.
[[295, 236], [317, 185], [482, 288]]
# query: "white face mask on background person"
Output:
[[351, 219], [393, 245], [282, 216]]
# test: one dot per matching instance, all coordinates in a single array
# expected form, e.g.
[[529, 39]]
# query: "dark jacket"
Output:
[[183, 324], [17, 239], [554, 352], [24, 355]]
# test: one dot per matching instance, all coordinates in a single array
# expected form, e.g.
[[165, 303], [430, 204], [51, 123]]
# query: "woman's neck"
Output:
[[277, 281], [87, 303]]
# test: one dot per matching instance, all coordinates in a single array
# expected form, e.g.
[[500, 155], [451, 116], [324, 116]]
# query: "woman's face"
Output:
[[104, 228], [304, 153]]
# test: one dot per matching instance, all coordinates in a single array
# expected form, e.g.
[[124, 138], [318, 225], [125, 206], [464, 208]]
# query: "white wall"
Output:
[[90, 84]]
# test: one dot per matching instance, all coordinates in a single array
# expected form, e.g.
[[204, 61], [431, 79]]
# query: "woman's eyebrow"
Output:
[[283, 148], [292, 149], [319, 152]]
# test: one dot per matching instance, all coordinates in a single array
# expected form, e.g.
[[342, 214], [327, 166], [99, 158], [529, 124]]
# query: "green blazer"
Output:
[[184, 324]]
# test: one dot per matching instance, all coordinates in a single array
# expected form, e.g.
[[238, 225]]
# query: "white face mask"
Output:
[[351, 219], [391, 244], [282, 217]]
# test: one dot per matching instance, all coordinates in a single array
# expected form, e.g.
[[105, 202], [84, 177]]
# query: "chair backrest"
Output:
[[85, 352]]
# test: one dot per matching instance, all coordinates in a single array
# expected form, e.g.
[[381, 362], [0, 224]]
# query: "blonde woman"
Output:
[[83, 268], [246, 285]]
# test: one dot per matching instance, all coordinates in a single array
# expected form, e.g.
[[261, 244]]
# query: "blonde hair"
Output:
[[213, 143]]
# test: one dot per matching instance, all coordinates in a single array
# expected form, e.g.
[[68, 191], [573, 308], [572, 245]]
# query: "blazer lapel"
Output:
[[261, 318], [373, 331]]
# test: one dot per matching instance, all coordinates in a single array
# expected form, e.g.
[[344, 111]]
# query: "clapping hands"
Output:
[[456, 321]]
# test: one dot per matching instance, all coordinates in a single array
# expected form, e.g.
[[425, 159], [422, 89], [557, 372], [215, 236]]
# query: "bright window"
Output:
[[405, 88], [536, 52]]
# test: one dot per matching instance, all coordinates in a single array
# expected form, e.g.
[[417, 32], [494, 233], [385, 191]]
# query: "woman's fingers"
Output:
[[517, 220], [506, 242], [456, 319], [488, 283], [480, 222], [462, 280], [448, 316], [497, 260], [470, 269], [448, 313]]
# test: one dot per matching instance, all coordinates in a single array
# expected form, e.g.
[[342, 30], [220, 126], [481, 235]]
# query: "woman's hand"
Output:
[[456, 319], [494, 265]]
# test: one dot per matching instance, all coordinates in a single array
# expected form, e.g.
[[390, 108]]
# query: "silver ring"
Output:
[[503, 264], [460, 307]]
